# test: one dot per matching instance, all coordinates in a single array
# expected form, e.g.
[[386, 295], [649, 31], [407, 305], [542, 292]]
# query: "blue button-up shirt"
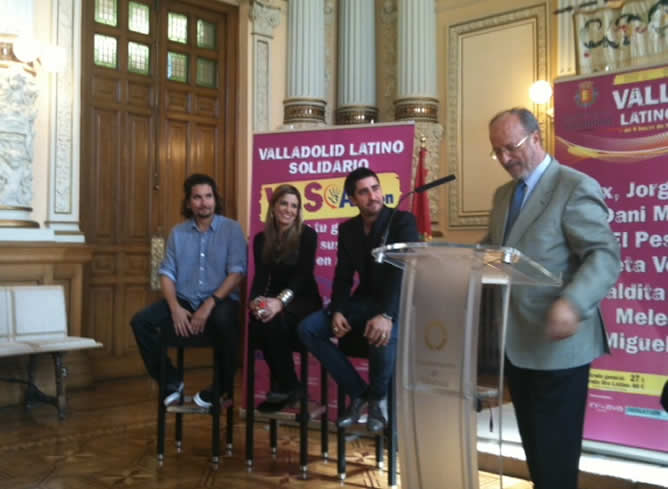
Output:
[[198, 262], [533, 179]]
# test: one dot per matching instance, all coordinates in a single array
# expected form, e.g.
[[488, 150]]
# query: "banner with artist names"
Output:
[[317, 162], [614, 127]]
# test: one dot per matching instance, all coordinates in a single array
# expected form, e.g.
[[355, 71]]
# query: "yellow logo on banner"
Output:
[[326, 199], [641, 76]]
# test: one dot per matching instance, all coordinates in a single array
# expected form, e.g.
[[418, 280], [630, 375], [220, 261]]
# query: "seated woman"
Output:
[[284, 291]]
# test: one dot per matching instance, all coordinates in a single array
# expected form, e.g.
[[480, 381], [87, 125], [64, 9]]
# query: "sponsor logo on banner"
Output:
[[326, 199], [586, 94]]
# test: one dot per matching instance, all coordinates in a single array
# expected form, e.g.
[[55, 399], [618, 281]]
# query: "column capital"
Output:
[[266, 16]]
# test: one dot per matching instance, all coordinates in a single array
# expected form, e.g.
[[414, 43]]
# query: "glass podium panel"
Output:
[[436, 376]]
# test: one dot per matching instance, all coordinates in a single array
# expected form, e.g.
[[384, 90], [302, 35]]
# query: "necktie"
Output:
[[515, 206]]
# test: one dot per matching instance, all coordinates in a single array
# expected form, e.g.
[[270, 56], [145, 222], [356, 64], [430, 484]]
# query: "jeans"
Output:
[[147, 323], [315, 332]]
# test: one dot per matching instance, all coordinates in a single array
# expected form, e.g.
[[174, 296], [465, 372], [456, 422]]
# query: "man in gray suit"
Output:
[[556, 216]]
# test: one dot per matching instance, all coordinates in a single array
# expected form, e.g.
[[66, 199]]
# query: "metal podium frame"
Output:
[[436, 376]]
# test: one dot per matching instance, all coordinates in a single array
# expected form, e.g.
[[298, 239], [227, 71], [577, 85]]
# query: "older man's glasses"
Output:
[[496, 153]]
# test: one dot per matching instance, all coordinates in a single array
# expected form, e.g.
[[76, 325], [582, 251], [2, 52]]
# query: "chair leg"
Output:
[[229, 427], [179, 416], [380, 451], [303, 416], [215, 408], [273, 436], [341, 438], [161, 406], [250, 403], [324, 401], [392, 436]]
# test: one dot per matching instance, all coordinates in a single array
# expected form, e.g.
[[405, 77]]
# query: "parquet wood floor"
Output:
[[108, 441]]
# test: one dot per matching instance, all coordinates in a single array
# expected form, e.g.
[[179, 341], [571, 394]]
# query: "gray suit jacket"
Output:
[[564, 227]]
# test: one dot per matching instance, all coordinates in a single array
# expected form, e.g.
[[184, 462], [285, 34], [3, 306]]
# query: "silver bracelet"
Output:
[[285, 296]]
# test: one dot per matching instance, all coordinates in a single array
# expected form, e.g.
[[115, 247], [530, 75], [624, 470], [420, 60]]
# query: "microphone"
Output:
[[417, 190]]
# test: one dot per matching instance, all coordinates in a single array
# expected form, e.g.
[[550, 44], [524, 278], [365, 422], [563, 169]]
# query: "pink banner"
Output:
[[317, 162], [614, 127]]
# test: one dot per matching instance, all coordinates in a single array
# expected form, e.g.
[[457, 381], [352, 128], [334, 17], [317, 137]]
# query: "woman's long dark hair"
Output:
[[282, 247]]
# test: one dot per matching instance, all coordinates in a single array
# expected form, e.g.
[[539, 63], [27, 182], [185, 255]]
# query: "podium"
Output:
[[436, 373]]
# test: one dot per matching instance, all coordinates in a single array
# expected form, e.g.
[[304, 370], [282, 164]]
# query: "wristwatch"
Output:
[[216, 299], [387, 316]]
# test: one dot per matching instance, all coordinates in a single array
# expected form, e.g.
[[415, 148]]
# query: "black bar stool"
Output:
[[357, 348], [303, 417], [169, 339]]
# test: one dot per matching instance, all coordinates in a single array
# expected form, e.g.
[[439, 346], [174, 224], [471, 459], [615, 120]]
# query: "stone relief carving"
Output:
[[266, 17], [63, 125], [18, 105], [387, 55]]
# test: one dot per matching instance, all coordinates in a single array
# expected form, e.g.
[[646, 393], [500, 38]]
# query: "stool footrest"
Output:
[[188, 409]]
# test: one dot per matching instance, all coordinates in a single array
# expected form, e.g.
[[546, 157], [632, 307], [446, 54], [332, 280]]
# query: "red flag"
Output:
[[420, 207]]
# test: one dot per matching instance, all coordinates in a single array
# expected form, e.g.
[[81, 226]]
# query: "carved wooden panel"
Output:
[[204, 157], [140, 95], [103, 264], [104, 163], [106, 90], [100, 315], [177, 101], [137, 264], [136, 188], [207, 106], [136, 298]]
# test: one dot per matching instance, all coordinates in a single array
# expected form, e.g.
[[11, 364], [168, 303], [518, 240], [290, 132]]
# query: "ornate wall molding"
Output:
[[534, 20], [304, 110], [265, 17], [417, 109], [356, 114], [386, 53], [331, 37], [63, 113]]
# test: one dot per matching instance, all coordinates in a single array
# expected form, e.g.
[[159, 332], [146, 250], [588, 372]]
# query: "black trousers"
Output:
[[550, 408], [278, 339], [224, 317]]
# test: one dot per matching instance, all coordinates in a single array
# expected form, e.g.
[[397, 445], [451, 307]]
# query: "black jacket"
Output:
[[379, 284], [297, 275]]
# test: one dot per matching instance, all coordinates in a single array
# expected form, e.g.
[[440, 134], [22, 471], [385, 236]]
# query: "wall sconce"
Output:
[[30, 51], [540, 93]]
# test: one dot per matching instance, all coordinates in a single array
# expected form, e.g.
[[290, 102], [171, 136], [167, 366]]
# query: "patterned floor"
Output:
[[109, 440]]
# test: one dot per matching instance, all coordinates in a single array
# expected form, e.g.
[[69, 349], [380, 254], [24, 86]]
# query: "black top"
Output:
[[380, 283], [296, 274]]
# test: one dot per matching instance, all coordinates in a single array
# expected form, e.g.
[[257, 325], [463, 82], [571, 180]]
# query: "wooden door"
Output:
[[158, 103]]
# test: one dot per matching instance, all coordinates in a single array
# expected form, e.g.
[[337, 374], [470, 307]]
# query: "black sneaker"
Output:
[[174, 393], [286, 400]]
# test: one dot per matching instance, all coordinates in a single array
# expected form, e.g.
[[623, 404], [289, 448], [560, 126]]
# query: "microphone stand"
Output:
[[418, 190]]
